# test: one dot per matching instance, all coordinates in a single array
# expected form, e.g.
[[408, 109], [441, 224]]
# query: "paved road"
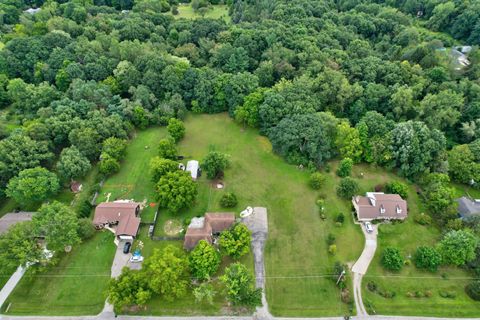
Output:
[[361, 266], [11, 284]]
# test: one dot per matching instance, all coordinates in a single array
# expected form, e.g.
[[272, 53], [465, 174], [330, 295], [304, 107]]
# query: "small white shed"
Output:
[[192, 167]]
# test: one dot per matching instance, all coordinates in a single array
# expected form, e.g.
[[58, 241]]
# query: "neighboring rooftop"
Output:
[[204, 228], [123, 214], [192, 167], [468, 207], [32, 10], [378, 205], [13, 218]]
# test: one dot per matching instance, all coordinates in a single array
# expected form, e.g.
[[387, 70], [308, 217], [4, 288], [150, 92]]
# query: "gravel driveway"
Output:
[[361, 266]]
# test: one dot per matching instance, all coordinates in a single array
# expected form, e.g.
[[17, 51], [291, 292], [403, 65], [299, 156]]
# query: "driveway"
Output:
[[361, 266], [257, 223], [120, 260]]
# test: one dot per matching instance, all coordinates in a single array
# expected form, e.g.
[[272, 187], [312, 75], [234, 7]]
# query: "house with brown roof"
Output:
[[378, 205], [119, 216], [12, 218], [204, 228]]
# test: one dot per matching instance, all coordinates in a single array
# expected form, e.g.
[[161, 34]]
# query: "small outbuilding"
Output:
[[193, 167]]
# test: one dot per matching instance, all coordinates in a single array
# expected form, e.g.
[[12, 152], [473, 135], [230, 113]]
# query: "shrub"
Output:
[[447, 294], [372, 286], [330, 239], [167, 149], [84, 209], [316, 180], [109, 165], [398, 188], [378, 188], [345, 296], [176, 129], [387, 294], [332, 249], [320, 204], [347, 188], [345, 167], [428, 294], [340, 218], [392, 259], [427, 258], [228, 200], [85, 228], [423, 219], [473, 290], [214, 164]]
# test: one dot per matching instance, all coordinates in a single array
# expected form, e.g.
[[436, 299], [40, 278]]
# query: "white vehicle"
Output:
[[368, 227], [135, 258]]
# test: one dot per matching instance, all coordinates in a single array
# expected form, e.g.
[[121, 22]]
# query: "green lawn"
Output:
[[296, 252], [75, 286], [133, 180], [214, 12], [408, 236]]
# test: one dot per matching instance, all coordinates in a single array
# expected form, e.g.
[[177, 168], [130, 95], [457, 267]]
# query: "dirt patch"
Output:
[[172, 227], [217, 184]]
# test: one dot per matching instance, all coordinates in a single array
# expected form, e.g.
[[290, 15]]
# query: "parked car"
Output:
[[126, 247], [368, 227], [135, 258]]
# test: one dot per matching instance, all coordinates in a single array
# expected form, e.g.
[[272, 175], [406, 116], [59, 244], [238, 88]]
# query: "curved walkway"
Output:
[[361, 266]]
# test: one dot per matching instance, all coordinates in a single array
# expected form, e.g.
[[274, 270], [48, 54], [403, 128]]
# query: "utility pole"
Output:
[[340, 276]]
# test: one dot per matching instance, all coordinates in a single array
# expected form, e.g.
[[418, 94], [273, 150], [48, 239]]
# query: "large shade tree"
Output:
[[176, 190], [58, 224], [33, 185]]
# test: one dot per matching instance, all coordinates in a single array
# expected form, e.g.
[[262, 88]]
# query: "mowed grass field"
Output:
[[407, 236], [133, 180], [298, 266], [214, 12], [75, 286]]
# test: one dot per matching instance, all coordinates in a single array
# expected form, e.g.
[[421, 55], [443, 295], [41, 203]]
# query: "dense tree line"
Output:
[[366, 81]]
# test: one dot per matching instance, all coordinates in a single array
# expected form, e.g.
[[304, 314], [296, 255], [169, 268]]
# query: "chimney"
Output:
[[399, 210], [382, 209]]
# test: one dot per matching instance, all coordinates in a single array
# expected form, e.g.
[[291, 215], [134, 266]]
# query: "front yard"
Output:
[[75, 286], [407, 236]]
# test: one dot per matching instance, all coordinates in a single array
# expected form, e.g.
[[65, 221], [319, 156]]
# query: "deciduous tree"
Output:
[[204, 260], [176, 190], [32, 185], [167, 272], [236, 241]]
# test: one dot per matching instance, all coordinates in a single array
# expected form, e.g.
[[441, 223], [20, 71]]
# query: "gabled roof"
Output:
[[11, 219], [128, 226], [204, 228], [220, 221], [377, 205], [468, 207], [123, 213]]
